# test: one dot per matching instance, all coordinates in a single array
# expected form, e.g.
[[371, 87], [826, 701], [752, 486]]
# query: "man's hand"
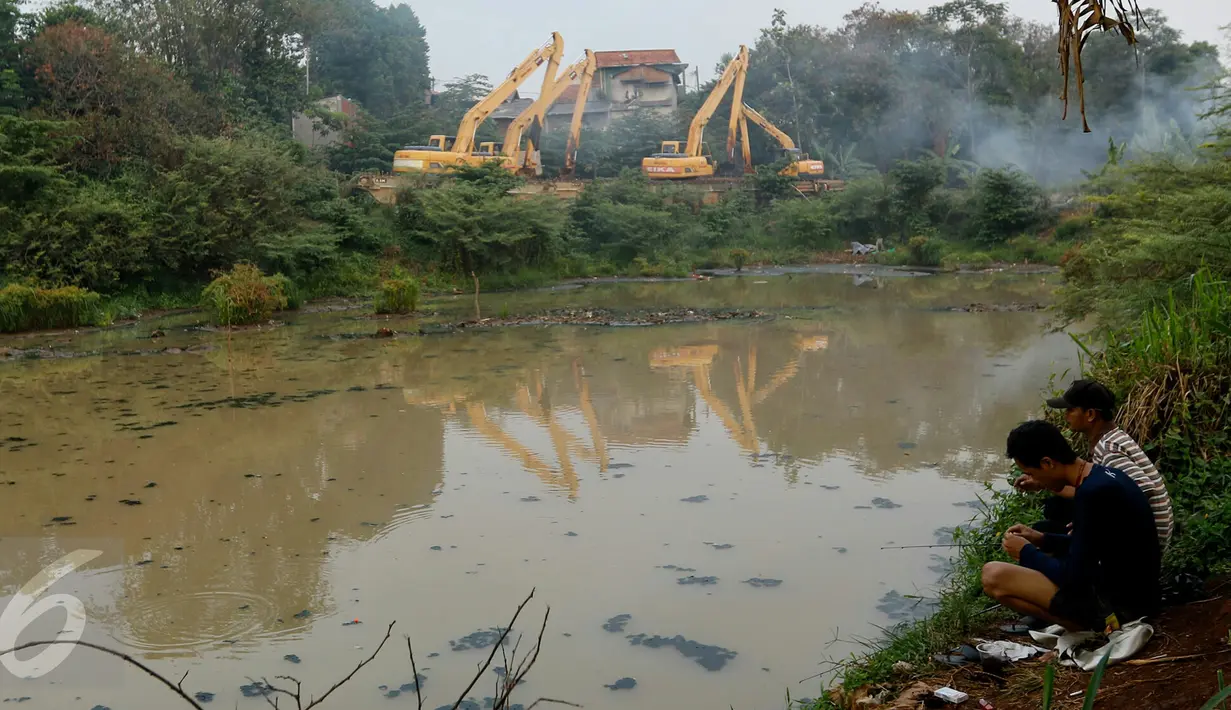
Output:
[[1027, 484], [1013, 545], [1034, 537]]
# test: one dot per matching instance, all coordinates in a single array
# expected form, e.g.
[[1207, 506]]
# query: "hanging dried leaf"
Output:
[[1078, 18]]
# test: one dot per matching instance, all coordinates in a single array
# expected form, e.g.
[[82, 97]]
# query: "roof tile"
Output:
[[634, 57]]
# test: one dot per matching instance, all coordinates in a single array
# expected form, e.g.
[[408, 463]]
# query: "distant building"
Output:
[[625, 80], [312, 132]]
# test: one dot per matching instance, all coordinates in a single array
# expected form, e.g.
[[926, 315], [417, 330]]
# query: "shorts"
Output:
[[1080, 606]]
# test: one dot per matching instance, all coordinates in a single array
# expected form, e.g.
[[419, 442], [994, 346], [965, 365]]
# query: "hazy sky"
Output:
[[491, 36]]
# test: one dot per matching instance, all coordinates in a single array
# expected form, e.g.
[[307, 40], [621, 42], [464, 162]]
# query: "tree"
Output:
[[376, 56], [124, 105], [12, 97]]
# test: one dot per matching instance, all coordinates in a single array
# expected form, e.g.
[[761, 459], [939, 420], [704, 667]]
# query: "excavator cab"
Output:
[[671, 148], [489, 148]]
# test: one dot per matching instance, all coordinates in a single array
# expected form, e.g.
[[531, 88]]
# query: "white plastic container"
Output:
[[949, 695]]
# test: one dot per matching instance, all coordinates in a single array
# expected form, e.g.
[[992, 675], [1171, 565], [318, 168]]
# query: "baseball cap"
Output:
[[1086, 394]]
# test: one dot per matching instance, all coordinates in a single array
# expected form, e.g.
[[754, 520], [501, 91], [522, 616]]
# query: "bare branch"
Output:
[[514, 679], [363, 663], [414, 669], [122, 656], [183, 678], [500, 642], [553, 700]]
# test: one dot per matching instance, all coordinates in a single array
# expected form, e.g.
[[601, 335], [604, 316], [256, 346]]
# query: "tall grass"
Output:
[[244, 295], [398, 294], [1173, 375], [26, 307]]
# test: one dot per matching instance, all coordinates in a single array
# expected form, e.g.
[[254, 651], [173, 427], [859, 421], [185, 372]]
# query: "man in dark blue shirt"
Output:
[[1108, 572]]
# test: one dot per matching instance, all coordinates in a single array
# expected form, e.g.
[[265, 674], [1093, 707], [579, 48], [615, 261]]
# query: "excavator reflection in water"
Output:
[[699, 359], [531, 396], [565, 443]]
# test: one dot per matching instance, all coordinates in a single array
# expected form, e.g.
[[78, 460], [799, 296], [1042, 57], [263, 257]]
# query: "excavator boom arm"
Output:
[[696, 130], [783, 139], [583, 67], [478, 113], [579, 111]]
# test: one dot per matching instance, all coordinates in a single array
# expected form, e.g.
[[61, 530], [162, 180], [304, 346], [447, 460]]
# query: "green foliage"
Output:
[[1005, 202], [398, 294], [925, 251], [243, 296], [739, 257], [27, 307], [470, 224]]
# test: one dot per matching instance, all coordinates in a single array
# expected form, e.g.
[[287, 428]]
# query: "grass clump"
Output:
[[244, 295], [28, 307], [398, 294]]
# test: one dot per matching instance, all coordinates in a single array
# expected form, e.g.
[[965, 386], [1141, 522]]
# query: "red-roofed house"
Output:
[[625, 80]]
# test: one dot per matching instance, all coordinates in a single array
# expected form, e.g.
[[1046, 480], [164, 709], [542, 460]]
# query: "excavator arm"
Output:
[[783, 139], [583, 68], [550, 52], [579, 111], [737, 102], [696, 130]]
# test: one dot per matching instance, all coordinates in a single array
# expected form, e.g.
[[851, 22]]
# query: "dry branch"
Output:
[[122, 656], [1078, 18], [499, 643]]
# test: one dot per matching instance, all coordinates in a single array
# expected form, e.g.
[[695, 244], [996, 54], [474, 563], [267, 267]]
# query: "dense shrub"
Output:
[[244, 295], [1005, 202], [25, 307], [925, 251], [398, 294]]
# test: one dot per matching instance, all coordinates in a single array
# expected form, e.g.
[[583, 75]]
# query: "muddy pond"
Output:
[[702, 505]]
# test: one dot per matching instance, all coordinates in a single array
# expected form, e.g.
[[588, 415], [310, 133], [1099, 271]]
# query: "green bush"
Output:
[[739, 257], [244, 295], [978, 260], [925, 251], [1074, 227], [24, 307], [398, 294], [1005, 202]]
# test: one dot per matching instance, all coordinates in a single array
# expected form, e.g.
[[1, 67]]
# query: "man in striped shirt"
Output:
[[1089, 409]]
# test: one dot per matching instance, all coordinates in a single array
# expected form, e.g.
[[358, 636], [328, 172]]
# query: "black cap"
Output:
[[1086, 394]]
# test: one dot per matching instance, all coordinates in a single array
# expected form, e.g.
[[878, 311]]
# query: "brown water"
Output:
[[435, 480]]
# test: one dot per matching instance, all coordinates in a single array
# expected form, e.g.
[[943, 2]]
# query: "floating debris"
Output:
[[203, 697], [255, 689], [478, 639], [720, 545], [711, 658], [531, 499], [617, 623], [885, 503], [291, 658], [693, 579], [303, 614], [622, 684], [677, 568], [763, 582], [131, 501], [694, 499], [906, 445]]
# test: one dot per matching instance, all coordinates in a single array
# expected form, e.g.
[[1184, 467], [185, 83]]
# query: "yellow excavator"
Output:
[[443, 153], [800, 166], [530, 122], [684, 161]]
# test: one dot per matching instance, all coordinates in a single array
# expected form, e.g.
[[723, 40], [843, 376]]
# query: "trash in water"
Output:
[[617, 623], [478, 639], [885, 503], [693, 579], [622, 684], [762, 582], [694, 499], [711, 658]]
